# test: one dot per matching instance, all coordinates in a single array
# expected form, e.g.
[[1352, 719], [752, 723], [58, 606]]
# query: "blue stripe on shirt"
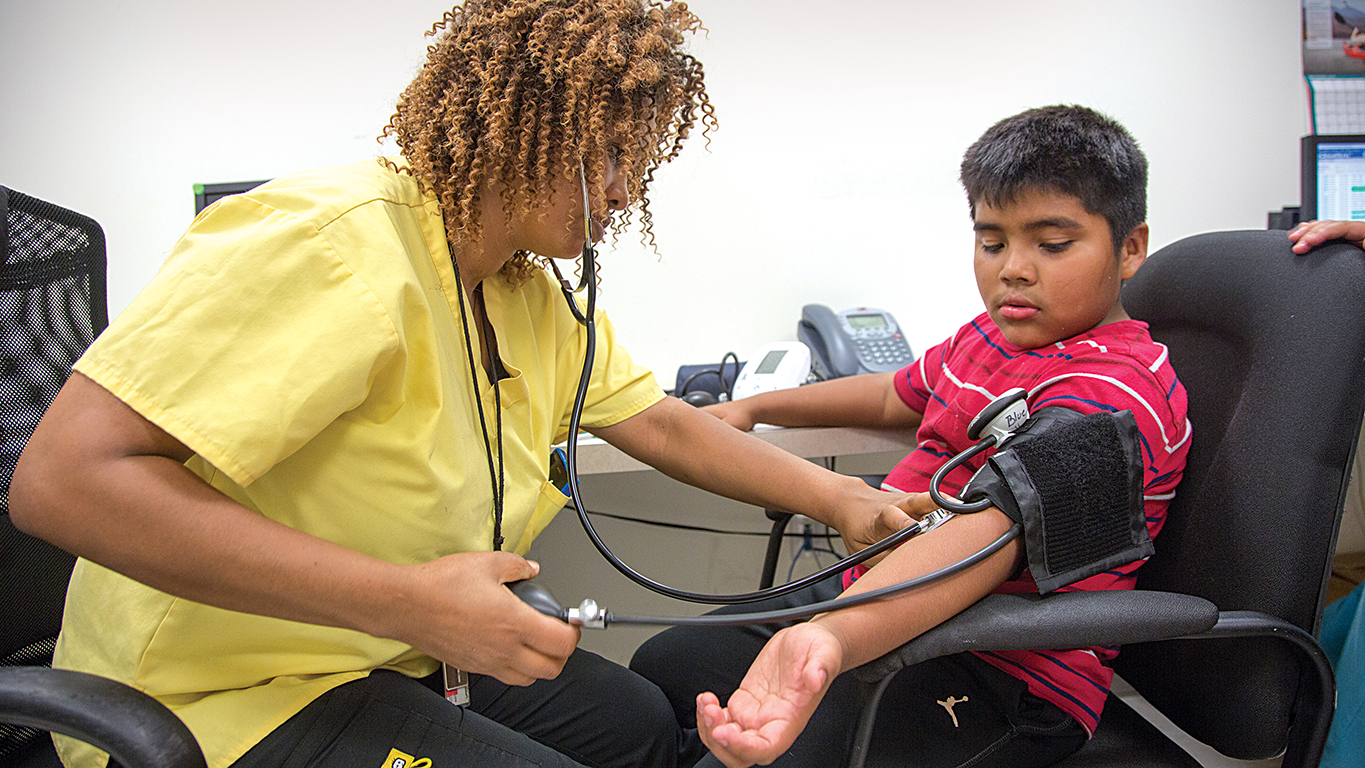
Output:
[[1095, 403], [1008, 356], [1146, 447], [1082, 676], [1044, 681], [1166, 476]]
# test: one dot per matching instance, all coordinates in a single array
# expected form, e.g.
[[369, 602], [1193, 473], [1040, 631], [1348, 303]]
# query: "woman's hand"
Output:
[[870, 516], [458, 610], [776, 699], [1311, 234]]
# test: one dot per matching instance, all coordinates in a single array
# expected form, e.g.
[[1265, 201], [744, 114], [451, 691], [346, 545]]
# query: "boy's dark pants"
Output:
[[952, 711]]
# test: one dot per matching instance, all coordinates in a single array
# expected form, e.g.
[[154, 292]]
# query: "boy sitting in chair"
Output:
[[1058, 200]]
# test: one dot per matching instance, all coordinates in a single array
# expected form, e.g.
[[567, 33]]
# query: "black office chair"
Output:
[[1219, 636], [52, 305]]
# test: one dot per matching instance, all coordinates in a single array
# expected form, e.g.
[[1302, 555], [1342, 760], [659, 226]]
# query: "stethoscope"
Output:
[[992, 426]]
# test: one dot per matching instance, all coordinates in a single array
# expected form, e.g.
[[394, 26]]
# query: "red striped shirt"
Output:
[[1111, 368]]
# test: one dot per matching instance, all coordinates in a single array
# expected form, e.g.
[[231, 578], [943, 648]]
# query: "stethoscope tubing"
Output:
[[571, 456], [585, 317], [571, 465], [814, 609]]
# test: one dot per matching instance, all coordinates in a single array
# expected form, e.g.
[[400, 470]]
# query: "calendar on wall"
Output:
[[1337, 102], [1334, 64]]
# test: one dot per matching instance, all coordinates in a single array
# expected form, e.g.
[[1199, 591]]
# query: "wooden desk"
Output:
[[596, 457]]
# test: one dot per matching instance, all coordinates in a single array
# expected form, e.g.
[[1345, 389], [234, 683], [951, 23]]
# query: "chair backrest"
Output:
[[1271, 349], [52, 305]]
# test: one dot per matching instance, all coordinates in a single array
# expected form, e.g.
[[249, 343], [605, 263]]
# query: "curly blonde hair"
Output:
[[518, 92]]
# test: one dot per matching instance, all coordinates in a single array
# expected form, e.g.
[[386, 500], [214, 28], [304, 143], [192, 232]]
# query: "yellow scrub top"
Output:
[[305, 341]]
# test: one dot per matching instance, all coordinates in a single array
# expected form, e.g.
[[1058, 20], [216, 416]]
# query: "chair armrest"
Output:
[[130, 725], [1059, 620]]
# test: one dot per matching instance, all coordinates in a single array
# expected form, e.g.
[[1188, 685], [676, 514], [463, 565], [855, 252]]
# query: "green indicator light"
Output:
[[198, 189]]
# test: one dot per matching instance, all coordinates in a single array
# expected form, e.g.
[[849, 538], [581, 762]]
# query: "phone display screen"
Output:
[[859, 322], [770, 361]]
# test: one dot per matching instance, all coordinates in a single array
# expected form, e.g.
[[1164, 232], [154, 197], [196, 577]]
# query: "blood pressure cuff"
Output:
[[1075, 483]]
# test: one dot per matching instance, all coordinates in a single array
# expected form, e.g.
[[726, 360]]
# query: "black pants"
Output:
[[952, 711], [596, 714]]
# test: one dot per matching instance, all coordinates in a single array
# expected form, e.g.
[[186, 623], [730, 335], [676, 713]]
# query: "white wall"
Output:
[[832, 177]]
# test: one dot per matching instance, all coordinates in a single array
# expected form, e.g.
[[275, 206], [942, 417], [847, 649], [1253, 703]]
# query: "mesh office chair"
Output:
[[1270, 348], [52, 305]]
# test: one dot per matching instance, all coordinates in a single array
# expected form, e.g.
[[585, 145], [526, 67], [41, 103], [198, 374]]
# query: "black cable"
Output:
[[498, 478], [572, 465], [696, 528], [682, 390], [729, 388], [814, 553], [575, 417], [589, 279], [807, 611], [836, 569], [726, 388]]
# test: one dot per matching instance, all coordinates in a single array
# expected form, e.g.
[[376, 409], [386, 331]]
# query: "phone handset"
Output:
[[831, 350], [857, 340]]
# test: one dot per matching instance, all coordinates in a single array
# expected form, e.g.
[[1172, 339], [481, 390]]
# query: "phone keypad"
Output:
[[886, 354]]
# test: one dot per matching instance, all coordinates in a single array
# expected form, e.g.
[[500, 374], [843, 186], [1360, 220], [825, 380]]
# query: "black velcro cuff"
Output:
[[1075, 482]]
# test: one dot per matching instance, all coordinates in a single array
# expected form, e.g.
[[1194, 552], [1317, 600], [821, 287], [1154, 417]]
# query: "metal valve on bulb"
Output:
[[588, 613]]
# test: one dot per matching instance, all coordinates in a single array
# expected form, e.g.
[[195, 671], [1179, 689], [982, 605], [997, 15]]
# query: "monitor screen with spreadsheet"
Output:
[[1333, 177]]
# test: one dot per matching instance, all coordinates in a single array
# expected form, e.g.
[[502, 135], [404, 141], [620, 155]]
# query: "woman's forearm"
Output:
[[695, 448]]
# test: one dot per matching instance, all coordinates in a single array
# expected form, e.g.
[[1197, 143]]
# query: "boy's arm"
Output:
[[791, 674], [869, 400]]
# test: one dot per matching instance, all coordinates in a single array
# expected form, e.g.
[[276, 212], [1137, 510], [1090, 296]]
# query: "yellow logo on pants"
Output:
[[398, 759]]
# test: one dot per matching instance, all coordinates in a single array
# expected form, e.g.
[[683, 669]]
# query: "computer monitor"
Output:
[[207, 194], [1333, 185]]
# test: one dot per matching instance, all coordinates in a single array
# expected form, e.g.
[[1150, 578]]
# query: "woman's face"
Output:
[[556, 229]]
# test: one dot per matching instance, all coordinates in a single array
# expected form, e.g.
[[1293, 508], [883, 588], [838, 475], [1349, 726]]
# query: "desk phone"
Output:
[[857, 340]]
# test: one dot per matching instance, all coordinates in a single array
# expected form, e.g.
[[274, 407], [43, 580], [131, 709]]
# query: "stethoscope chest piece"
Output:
[[1002, 417]]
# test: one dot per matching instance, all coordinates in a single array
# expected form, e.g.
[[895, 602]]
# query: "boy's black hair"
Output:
[[1069, 149]]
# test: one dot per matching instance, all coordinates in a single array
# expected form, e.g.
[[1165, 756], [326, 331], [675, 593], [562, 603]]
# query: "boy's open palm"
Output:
[[776, 699]]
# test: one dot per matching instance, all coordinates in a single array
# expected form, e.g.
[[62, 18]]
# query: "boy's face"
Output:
[[1046, 267]]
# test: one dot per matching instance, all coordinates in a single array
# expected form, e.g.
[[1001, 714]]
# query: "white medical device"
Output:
[[779, 365]]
